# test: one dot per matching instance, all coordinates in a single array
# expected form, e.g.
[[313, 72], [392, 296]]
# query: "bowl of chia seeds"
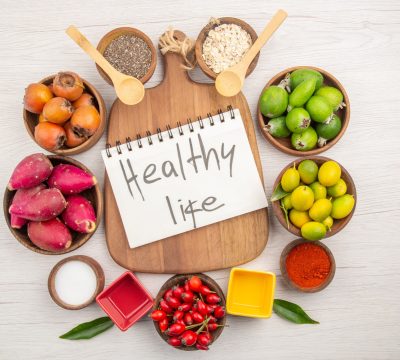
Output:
[[129, 51]]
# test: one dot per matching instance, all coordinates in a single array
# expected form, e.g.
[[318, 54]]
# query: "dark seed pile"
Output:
[[130, 55]]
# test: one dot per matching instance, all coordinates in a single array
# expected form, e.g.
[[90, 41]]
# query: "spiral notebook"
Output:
[[184, 178]]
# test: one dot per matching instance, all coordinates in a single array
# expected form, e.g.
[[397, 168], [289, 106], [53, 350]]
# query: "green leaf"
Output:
[[278, 193], [286, 215], [292, 312], [89, 329]]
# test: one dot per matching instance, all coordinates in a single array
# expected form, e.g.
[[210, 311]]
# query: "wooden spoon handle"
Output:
[[87, 47], [271, 27]]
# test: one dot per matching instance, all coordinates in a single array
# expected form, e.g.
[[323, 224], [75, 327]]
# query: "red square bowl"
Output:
[[125, 300]]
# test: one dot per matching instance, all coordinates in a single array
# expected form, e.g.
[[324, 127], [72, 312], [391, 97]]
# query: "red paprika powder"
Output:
[[308, 265]]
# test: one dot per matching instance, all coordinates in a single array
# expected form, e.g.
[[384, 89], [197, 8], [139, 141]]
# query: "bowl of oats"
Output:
[[222, 43]]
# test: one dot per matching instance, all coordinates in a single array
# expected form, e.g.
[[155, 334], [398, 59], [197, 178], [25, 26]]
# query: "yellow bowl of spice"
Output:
[[222, 43], [130, 51], [307, 266]]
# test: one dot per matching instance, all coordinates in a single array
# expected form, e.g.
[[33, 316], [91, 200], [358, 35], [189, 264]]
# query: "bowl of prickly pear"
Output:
[[314, 197], [303, 111], [52, 204], [189, 312]]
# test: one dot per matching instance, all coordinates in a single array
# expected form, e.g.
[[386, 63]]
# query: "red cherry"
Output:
[[168, 294], [165, 307], [212, 319], [188, 319], [174, 341], [212, 327], [195, 283], [205, 290], [180, 322], [204, 339], [163, 324], [178, 315], [158, 315], [197, 317], [219, 312], [186, 286], [210, 309], [187, 296], [177, 292], [201, 347], [213, 299], [173, 302], [202, 308], [175, 329], [189, 338], [185, 307]]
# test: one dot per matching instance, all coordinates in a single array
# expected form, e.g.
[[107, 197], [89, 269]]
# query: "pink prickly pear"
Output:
[[70, 179], [31, 171], [79, 214], [51, 235], [44, 205], [23, 195]]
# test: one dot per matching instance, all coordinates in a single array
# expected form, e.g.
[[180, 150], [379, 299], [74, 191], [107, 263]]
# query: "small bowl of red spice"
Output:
[[308, 266]]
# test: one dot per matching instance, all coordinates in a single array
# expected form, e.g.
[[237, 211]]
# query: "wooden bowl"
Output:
[[180, 279], [203, 35], [99, 278], [110, 36], [94, 195], [284, 144], [292, 284], [31, 120], [337, 224]]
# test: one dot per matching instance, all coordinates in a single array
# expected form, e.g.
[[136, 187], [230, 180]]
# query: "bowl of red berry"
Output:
[[189, 312]]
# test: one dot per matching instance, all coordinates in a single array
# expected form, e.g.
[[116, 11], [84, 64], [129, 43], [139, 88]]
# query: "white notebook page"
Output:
[[192, 180]]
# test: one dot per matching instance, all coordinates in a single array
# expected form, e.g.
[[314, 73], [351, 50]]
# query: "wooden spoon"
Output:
[[230, 81], [129, 89]]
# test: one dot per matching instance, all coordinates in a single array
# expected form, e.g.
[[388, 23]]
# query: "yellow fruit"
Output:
[[308, 171], [298, 218], [318, 190], [320, 210], [342, 206], [328, 222], [338, 189], [286, 202], [313, 231], [329, 173], [302, 198], [290, 179]]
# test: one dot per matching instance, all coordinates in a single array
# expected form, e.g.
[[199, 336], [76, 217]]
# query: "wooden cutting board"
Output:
[[225, 244]]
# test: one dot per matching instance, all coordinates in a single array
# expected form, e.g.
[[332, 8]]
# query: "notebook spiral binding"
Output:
[[159, 135]]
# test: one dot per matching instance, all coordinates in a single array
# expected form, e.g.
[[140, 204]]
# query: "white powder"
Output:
[[75, 282]]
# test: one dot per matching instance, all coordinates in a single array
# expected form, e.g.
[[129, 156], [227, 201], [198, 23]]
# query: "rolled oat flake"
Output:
[[130, 55]]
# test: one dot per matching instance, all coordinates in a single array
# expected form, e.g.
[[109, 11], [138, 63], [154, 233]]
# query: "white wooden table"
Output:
[[358, 42]]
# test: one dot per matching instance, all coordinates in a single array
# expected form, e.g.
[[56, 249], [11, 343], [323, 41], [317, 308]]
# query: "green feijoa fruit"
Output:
[[319, 190], [313, 230], [290, 179], [319, 109], [298, 76], [338, 189], [320, 210], [298, 120], [305, 141], [333, 95], [308, 171], [342, 206], [277, 127], [274, 101], [302, 93], [328, 131]]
